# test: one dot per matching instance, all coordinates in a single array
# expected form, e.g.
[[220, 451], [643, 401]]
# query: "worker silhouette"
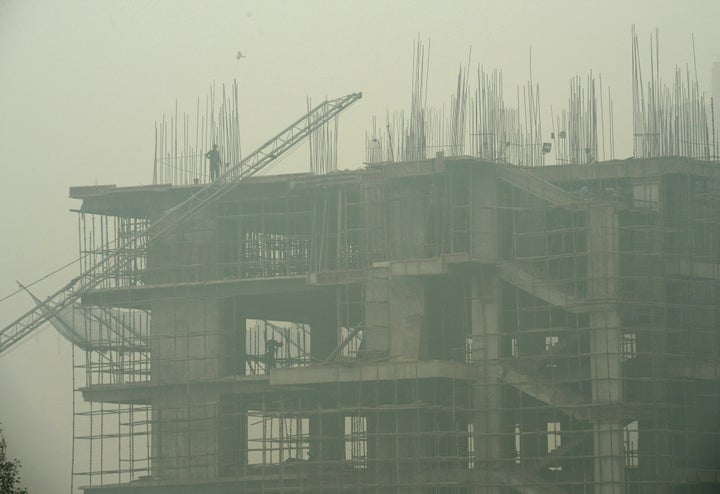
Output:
[[214, 156], [271, 348]]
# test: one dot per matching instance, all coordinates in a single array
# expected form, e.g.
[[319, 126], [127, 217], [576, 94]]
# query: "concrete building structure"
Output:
[[449, 326]]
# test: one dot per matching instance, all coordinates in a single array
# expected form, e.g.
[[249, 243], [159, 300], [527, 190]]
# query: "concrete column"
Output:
[[232, 435], [395, 442], [185, 435], [323, 333], [232, 350], [327, 430], [605, 346], [184, 350], [487, 392], [395, 320], [327, 438], [484, 232], [407, 318], [407, 231], [377, 314], [184, 340]]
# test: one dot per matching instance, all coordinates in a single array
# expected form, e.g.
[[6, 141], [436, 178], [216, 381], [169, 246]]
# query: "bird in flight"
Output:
[[240, 55]]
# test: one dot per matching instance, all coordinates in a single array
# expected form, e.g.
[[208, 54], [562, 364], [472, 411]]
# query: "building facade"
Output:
[[442, 326]]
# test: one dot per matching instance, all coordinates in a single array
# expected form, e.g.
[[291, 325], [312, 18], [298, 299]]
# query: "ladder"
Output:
[[260, 159]]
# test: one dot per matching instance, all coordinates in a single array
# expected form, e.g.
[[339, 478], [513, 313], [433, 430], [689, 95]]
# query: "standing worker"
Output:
[[214, 156], [271, 348]]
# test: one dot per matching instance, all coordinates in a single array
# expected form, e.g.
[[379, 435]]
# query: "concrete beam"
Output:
[[558, 453], [536, 186], [568, 402], [541, 288]]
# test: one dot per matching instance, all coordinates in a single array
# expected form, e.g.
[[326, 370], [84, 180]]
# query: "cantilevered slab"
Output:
[[336, 277], [690, 268], [379, 371], [130, 202], [629, 168], [702, 370], [143, 392], [142, 295], [424, 267], [295, 477], [522, 482]]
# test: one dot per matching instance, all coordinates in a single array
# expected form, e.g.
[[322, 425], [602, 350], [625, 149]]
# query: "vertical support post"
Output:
[[605, 346], [487, 392], [327, 430], [377, 314]]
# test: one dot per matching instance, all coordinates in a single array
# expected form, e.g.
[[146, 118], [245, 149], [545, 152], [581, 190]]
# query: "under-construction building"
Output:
[[449, 325]]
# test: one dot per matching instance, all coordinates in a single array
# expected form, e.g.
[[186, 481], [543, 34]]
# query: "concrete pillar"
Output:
[[407, 223], [377, 314], [323, 333], [487, 392], [232, 435], [327, 430], [397, 440], [183, 256], [395, 321], [605, 346], [184, 350], [484, 232], [327, 437], [184, 340], [232, 351], [407, 318]]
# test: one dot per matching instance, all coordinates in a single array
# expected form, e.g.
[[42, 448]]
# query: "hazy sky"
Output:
[[82, 83]]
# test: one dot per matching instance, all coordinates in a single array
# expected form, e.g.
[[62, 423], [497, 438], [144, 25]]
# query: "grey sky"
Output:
[[82, 83]]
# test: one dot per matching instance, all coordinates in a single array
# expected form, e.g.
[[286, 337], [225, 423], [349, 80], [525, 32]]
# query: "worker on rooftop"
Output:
[[214, 156]]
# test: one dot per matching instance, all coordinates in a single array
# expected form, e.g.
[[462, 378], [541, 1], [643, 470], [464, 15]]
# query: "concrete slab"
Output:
[[143, 392], [427, 267]]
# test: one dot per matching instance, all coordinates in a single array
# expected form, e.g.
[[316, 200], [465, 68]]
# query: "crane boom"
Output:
[[269, 152]]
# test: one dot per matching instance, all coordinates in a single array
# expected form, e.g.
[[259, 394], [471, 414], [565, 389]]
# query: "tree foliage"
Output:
[[9, 471]]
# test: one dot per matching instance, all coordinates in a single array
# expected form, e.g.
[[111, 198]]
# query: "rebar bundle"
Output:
[[669, 120], [323, 145]]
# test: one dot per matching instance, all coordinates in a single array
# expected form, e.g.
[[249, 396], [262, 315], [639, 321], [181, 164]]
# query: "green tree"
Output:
[[9, 471]]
